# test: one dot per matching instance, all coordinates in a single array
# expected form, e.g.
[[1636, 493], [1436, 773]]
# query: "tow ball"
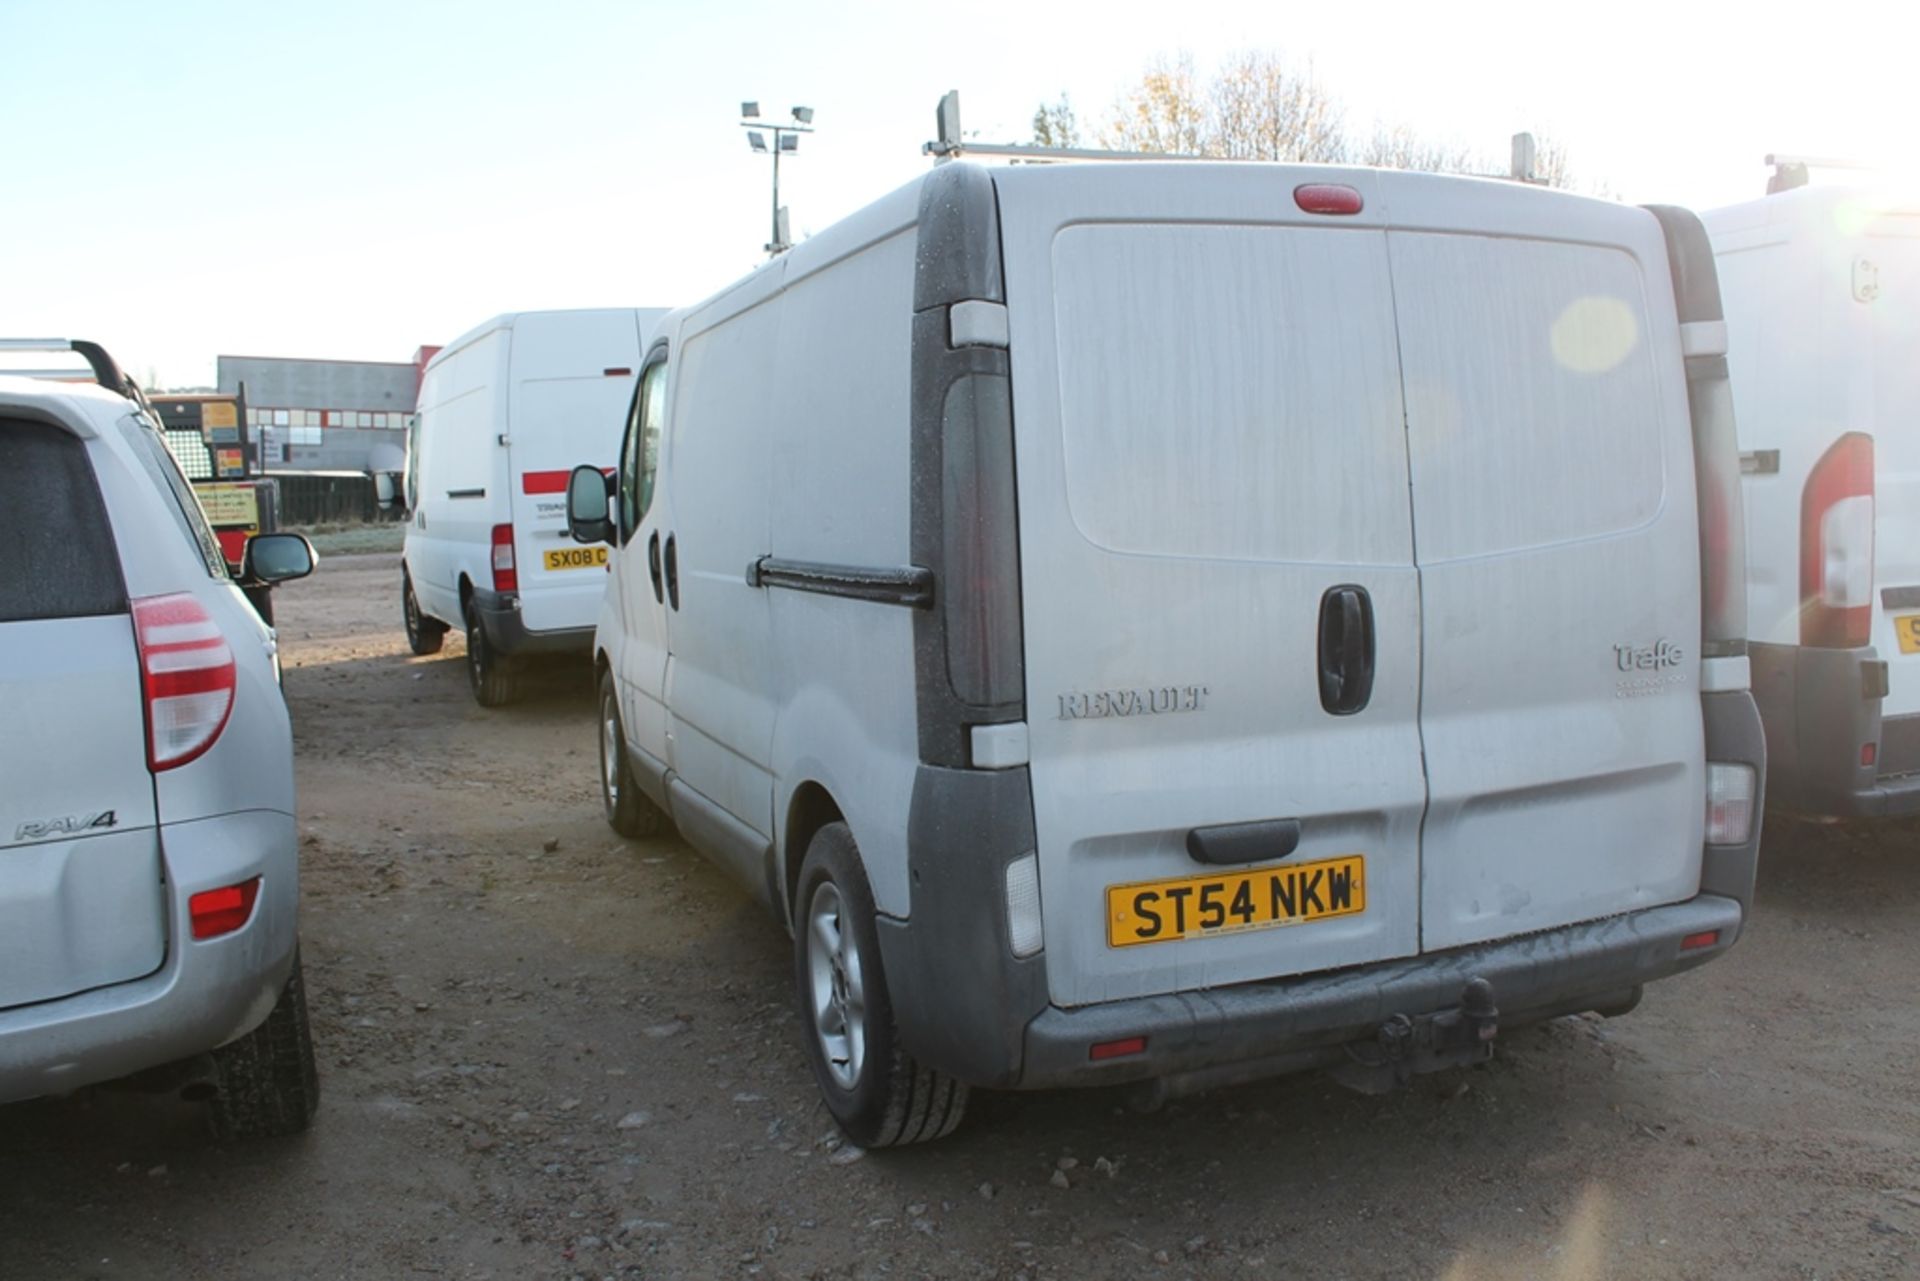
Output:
[[1404, 1047]]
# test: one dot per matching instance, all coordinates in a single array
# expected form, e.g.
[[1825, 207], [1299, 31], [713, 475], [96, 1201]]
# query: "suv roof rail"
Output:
[[106, 371]]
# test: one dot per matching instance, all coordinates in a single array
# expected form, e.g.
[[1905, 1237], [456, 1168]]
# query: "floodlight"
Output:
[[789, 142], [803, 114], [749, 110], [757, 140]]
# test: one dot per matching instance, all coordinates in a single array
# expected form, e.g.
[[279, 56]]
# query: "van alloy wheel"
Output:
[[838, 987], [630, 811]]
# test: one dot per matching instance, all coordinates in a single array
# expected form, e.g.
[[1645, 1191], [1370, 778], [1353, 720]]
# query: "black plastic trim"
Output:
[[1900, 597], [957, 259], [1814, 704], [508, 633], [911, 586], [1235, 843], [466, 493], [1735, 736], [961, 999]]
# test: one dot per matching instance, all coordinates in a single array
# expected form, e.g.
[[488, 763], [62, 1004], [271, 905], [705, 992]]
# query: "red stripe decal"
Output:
[[543, 482]]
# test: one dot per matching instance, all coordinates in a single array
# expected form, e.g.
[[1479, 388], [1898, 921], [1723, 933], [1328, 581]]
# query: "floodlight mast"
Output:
[[786, 137]]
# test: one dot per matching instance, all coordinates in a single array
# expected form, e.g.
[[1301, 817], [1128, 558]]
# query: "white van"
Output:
[[504, 411], [1822, 288], [1178, 623]]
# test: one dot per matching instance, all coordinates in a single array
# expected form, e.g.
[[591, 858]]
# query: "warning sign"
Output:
[[219, 413], [230, 506]]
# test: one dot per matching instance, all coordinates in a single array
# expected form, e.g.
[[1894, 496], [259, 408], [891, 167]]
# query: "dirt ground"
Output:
[[548, 1052]]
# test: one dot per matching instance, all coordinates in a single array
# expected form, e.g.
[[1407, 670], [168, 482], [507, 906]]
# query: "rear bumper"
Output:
[[1820, 706], [507, 631], [1298, 1023], [205, 993]]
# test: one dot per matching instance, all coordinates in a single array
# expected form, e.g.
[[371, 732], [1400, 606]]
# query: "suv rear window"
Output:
[[60, 560]]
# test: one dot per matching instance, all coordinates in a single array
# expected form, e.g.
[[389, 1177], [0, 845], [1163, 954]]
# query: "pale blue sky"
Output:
[[355, 179]]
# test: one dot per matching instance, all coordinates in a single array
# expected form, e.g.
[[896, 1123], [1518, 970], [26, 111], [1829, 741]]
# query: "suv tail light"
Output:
[[506, 578], [186, 678], [1836, 546]]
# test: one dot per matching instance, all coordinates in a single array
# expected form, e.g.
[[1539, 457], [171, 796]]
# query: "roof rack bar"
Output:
[[105, 371]]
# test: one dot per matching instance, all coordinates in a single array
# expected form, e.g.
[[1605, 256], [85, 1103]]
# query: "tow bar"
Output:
[[1404, 1047]]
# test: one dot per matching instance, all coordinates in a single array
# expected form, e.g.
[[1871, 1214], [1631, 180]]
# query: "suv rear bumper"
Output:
[[1290, 1024], [508, 633], [205, 994], [1820, 706]]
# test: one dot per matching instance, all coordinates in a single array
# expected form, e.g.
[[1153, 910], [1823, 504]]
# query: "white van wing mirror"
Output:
[[589, 494]]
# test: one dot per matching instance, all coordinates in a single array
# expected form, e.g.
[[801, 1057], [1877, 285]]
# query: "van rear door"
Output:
[[1554, 517], [1886, 277], [572, 380], [82, 904], [1213, 499]]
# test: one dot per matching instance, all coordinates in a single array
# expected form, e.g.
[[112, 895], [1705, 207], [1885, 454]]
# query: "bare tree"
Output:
[[1163, 113], [1262, 109], [1401, 148], [1054, 124]]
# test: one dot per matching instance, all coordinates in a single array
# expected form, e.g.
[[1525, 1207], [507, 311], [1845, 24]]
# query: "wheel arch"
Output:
[[810, 808]]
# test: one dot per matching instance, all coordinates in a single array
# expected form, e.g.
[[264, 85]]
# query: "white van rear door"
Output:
[[1886, 284], [1553, 507], [1210, 439], [573, 376]]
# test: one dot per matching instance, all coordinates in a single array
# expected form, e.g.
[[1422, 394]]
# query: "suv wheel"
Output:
[[424, 635], [876, 1091], [630, 811], [265, 1083], [487, 672]]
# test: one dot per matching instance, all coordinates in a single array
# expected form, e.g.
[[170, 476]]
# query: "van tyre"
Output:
[[880, 1096], [630, 811], [487, 671], [424, 635], [265, 1083]]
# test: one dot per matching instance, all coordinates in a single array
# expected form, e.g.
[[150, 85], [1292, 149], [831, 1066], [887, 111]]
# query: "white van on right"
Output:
[[1821, 286]]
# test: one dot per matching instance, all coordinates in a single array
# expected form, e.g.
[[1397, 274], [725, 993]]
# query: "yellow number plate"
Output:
[[1200, 906], [577, 558], [1906, 629]]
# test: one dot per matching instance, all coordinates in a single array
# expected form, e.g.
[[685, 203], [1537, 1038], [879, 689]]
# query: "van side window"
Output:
[[640, 460]]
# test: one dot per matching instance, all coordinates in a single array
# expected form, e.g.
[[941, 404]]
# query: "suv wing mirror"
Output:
[[277, 558]]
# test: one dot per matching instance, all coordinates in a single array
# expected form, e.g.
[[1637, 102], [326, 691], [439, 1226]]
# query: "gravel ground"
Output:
[[547, 1052]]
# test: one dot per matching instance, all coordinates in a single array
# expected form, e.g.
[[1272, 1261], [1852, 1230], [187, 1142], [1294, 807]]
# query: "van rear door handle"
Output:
[[673, 573], [653, 567], [1346, 649]]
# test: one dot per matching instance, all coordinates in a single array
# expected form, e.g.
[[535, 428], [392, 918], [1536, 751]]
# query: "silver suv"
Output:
[[149, 880]]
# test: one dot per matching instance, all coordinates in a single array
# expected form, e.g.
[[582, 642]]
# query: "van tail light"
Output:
[[1730, 798], [506, 578], [222, 911], [187, 678], [1836, 546]]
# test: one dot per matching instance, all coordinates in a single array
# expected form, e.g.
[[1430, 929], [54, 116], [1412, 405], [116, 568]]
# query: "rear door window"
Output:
[[164, 470], [59, 558]]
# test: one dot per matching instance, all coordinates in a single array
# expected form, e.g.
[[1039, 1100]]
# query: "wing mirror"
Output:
[[277, 558], [589, 505]]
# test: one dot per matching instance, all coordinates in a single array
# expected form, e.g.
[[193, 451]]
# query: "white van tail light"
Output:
[[1730, 799], [186, 678], [1023, 905], [1836, 546], [506, 578]]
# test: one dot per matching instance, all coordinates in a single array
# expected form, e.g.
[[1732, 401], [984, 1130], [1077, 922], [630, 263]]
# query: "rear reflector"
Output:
[[1117, 1049], [543, 482], [1869, 752], [1730, 790], [1694, 942], [1328, 198], [505, 577], [187, 678], [222, 911]]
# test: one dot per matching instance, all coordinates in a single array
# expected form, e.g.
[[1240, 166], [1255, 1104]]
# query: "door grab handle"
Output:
[[673, 573], [653, 567], [1235, 843], [1346, 649]]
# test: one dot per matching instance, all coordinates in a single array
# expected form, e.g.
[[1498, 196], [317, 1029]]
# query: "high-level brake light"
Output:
[[1328, 198]]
